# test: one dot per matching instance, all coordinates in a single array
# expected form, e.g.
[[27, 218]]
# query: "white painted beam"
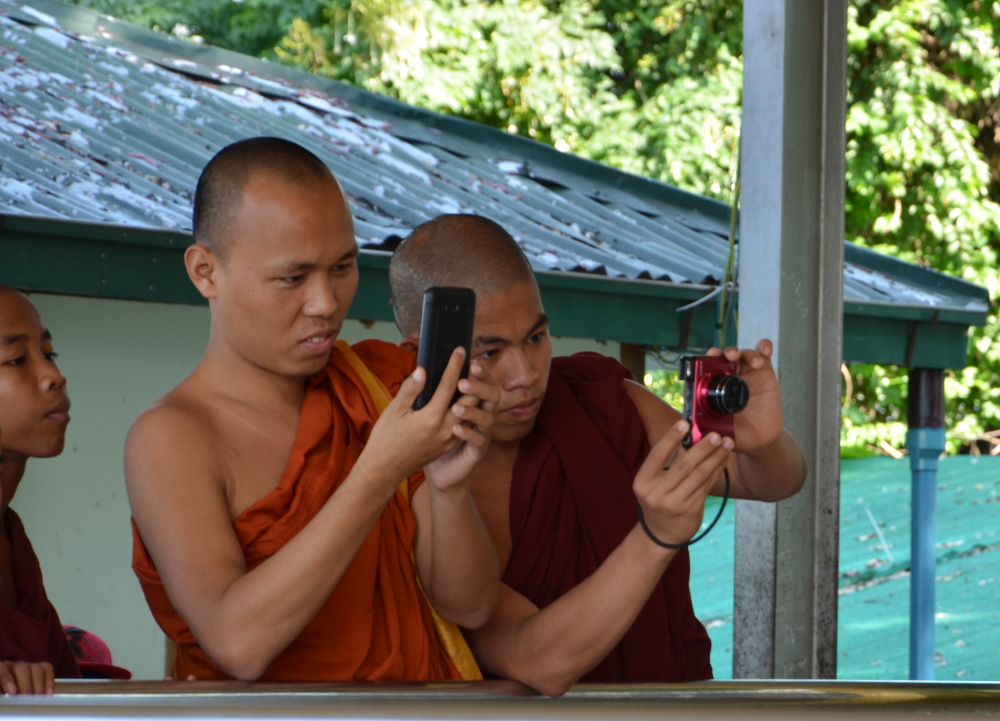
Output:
[[791, 286]]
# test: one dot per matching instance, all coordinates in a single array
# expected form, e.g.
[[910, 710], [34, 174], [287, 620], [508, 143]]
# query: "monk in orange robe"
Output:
[[586, 593], [34, 413], [292, 520]]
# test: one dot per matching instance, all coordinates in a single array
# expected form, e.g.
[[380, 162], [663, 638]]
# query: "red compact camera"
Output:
[[713, 393]]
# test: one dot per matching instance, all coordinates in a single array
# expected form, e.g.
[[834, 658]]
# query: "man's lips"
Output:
[[60, 413], [320, 342], [523, 411]]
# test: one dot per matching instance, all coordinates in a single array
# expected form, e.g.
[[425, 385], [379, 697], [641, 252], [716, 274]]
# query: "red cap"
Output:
[[93, 655]]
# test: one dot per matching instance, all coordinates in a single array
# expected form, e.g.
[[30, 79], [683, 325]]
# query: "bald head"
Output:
[[7, 292], [219, 195], [465, 251]]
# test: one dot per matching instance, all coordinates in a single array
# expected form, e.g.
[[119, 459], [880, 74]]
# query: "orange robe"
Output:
[[377, 624]]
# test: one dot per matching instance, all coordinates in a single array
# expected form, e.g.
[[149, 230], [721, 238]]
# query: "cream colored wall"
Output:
[[118, 357]]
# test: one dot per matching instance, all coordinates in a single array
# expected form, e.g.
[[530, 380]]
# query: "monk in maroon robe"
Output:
[[587, 593], [30, 632], [34, 412]]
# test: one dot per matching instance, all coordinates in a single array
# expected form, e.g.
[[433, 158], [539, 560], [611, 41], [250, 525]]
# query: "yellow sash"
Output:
[[448, 634]]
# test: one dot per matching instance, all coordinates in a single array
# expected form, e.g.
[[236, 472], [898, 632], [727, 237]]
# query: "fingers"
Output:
[[732, 353], [695, 467], [22, 676], [49, 678], [449, 381], [411, 388], [698, 480], [753, 359], [7, 681], [473, 415], [482, 386], [664, 449], [37, 674], [471, 435], [756, 358]]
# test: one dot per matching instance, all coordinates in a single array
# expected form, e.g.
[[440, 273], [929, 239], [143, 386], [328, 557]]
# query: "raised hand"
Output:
[[404, 440], [20, 677], [761, 422], [476, 412], [673, 499]]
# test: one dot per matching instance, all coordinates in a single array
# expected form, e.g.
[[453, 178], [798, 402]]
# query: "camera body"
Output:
[[713, 393]]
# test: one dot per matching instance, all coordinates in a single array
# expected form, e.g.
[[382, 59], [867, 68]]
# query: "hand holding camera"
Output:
[[672, 500], [760, 420]]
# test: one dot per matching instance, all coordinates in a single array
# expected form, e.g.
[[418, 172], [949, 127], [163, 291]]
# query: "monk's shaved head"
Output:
[[219, 195], [453, 250]]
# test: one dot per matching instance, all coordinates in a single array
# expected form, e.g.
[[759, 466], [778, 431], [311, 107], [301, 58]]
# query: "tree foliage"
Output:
[[653, 87]]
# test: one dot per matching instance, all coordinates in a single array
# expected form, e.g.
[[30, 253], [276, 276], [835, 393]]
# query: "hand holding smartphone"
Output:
[[446, 324]]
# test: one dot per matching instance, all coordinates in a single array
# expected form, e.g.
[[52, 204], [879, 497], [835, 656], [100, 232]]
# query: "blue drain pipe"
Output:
[[925, 442]]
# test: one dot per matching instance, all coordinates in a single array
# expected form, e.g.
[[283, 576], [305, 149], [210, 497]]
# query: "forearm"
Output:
[[263, 610], [552, 648], [770, 473], [464, 573]]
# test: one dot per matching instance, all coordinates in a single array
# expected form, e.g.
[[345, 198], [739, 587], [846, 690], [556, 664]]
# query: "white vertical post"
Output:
[[791, 291]]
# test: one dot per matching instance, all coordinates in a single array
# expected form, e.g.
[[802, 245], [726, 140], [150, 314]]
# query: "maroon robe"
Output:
[[572, 504], [32, 632]]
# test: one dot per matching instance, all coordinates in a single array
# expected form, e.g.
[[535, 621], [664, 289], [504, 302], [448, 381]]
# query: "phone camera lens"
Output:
[[727, 394]]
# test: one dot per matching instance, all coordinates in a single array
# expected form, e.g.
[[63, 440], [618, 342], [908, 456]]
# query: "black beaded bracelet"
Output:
[[675, 546]]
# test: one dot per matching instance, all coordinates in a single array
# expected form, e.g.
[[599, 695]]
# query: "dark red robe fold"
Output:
[[32, 632], [572, 504]]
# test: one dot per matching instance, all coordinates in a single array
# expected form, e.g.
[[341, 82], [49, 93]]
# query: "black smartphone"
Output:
[[446, 325]]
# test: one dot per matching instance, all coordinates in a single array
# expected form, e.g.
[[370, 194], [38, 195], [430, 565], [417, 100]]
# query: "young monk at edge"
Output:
[[272, 538], [34, 413], [585, 592]]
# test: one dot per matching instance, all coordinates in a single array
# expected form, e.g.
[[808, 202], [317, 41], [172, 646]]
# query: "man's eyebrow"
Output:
[[13, 338], [294, 266], [491, 340], [543, 320], [46, 335]]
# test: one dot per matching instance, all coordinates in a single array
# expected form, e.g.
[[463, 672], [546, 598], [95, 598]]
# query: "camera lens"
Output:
[[727, 394]]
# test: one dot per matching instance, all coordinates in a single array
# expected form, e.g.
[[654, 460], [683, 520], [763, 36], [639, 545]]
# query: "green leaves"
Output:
[[918, 185], [253, 27]]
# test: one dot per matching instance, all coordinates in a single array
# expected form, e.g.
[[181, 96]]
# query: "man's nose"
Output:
[[522, 372], [321, 300], [51, 377]]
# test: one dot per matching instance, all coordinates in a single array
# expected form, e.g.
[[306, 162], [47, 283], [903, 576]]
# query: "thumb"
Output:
[[411, 388], [664, 449]]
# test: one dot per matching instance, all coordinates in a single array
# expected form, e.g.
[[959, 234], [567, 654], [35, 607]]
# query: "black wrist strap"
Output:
[[675, 546]]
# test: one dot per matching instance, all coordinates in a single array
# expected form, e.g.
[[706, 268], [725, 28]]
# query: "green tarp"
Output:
[[873, 629]]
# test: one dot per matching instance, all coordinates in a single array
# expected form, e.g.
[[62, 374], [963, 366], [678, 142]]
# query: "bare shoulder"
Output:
[[177, 432], [657, 415]]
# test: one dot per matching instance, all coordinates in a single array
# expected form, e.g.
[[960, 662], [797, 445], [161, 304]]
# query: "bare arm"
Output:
[[244, 619], [550, 649], [455, 554], [768, 464]]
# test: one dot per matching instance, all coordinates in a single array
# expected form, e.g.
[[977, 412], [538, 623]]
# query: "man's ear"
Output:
[[201, 264], [410, 343]]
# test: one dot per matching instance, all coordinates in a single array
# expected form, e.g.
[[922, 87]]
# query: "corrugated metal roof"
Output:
[[874, 607], [100, 127]]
